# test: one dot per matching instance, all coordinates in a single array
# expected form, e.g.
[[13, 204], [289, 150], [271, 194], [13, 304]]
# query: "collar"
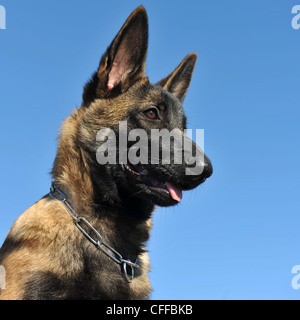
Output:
[[94, 236]]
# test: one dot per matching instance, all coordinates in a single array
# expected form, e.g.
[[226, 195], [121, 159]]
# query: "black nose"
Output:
[[204, 164], [208, 169]]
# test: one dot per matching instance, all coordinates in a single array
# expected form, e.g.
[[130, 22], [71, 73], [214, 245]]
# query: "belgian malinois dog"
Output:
[[86, 238]]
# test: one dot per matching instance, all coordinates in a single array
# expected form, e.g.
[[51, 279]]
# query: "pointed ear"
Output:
[[124, 60], [179, 80]]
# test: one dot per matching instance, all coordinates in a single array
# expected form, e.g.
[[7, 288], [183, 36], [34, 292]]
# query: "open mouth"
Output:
[[155, 183]]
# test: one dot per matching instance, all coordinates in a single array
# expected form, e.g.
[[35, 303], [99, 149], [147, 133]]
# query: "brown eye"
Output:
[[151, 114]]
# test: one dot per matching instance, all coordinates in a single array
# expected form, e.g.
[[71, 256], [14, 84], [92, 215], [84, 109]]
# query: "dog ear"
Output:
[[179, 80], [124, 60]]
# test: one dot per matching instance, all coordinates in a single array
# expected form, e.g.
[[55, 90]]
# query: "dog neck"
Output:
[[70, 171], [75, 176]]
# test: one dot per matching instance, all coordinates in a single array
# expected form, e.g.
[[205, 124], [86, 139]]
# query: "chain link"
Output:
[[94, 236]]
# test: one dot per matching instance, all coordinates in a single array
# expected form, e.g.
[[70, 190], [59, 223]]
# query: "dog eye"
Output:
[[152, 114]]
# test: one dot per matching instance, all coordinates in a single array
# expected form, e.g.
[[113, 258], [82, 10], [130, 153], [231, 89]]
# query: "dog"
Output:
[[86, 238]]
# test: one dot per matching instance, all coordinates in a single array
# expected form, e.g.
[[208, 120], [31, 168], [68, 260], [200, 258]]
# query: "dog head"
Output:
[[118, 101]]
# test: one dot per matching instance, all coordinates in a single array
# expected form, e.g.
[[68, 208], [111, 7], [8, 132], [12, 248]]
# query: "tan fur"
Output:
[[45, 232], [42, 232]]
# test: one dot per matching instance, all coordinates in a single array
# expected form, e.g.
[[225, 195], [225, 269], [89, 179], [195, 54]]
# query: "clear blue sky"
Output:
[[238, 235]]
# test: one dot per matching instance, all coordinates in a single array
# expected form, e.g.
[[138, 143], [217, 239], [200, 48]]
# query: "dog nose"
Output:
[[207, 169]]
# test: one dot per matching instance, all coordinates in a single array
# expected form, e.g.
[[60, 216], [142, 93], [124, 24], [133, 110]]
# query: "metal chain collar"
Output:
[[97, 239]]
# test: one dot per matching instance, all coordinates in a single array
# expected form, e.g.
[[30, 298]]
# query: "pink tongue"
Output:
[[175, 193]]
